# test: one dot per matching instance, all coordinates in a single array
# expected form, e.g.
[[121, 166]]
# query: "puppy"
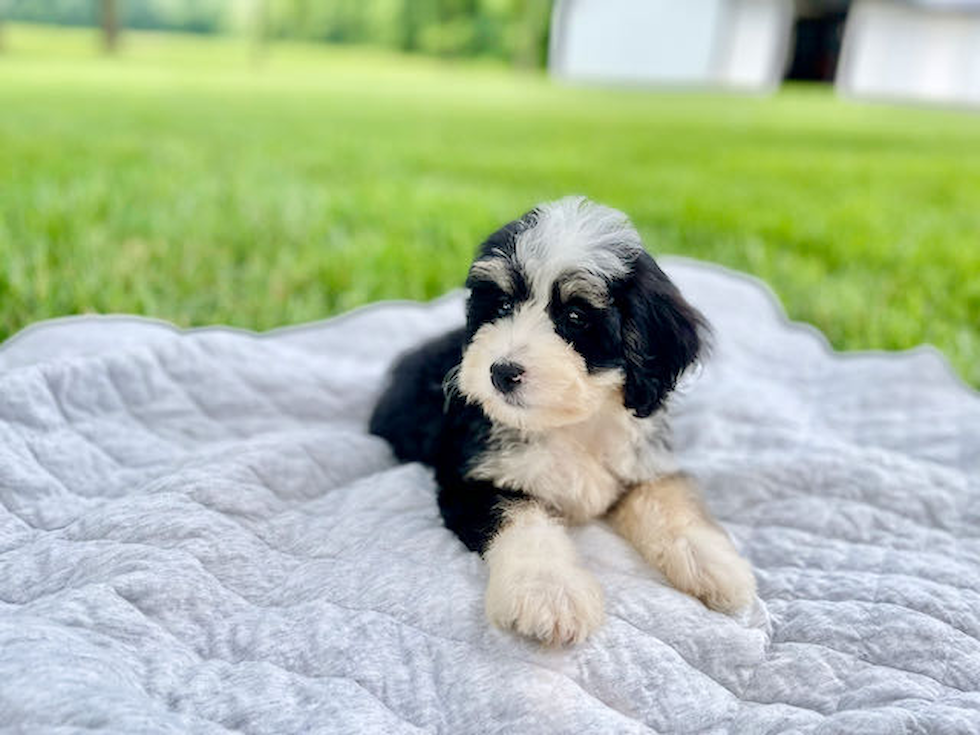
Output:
[[549, 408]]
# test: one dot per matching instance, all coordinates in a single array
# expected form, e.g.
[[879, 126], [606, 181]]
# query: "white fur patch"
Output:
[[536, 586], [574, 234]]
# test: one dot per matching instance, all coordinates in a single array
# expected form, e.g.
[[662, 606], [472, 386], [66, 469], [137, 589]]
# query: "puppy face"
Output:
[[566, 312]]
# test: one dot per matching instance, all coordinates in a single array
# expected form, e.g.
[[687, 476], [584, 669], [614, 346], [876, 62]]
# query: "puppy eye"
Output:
[[576, 317], [505, 307]]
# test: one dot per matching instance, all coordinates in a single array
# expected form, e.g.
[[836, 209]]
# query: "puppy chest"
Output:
[[580, 471]]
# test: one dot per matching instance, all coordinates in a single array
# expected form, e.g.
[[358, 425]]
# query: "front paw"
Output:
[[554, 605], [703, 563]]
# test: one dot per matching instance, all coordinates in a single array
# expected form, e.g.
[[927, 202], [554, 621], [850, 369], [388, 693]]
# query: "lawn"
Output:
[[187, 181]]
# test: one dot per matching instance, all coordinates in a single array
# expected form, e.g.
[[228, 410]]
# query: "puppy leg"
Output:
[[536, 586], [667, 523]]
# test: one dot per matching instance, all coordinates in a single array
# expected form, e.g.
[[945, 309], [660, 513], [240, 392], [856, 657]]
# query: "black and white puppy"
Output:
[[549, 408]]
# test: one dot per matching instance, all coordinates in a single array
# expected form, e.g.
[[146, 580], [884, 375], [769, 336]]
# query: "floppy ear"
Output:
[[661, 334]]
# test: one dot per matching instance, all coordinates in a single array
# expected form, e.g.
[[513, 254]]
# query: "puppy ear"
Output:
[[662, 335]]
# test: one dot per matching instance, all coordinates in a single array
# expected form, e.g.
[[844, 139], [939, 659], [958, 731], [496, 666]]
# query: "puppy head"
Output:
[[567, 312]]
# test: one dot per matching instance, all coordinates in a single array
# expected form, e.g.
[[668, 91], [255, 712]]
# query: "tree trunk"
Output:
[[110, 25], [532, 44]]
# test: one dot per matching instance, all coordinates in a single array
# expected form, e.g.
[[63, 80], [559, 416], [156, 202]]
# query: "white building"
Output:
[[739, 44], [925, 51]]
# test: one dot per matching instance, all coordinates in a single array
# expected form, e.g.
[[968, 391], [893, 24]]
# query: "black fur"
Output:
[[486, 298], [596, 336], [649, 331], [423, 425], [410, 414], [661, 335], [504, 241], [472, 509]]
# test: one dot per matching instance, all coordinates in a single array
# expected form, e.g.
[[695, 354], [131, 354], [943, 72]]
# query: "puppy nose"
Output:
[[506, 376]]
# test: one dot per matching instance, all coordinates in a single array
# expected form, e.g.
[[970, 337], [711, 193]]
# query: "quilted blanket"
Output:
[[197, 535]]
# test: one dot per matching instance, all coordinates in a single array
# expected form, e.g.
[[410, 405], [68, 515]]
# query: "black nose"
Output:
[[505, 376]]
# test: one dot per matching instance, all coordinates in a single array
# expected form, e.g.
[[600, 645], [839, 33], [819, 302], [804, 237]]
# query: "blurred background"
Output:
[[266, 162]]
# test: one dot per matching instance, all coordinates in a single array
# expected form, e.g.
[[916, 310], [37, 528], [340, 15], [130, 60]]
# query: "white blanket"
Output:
[[198, 535]]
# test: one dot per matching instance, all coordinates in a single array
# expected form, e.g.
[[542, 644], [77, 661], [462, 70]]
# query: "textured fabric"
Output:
[[198, 535]]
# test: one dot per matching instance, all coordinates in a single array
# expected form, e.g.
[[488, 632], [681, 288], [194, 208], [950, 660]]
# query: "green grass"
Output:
[[180, 181]]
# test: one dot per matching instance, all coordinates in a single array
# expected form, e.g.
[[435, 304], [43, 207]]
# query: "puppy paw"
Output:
[[703, 563], [555, 605]]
